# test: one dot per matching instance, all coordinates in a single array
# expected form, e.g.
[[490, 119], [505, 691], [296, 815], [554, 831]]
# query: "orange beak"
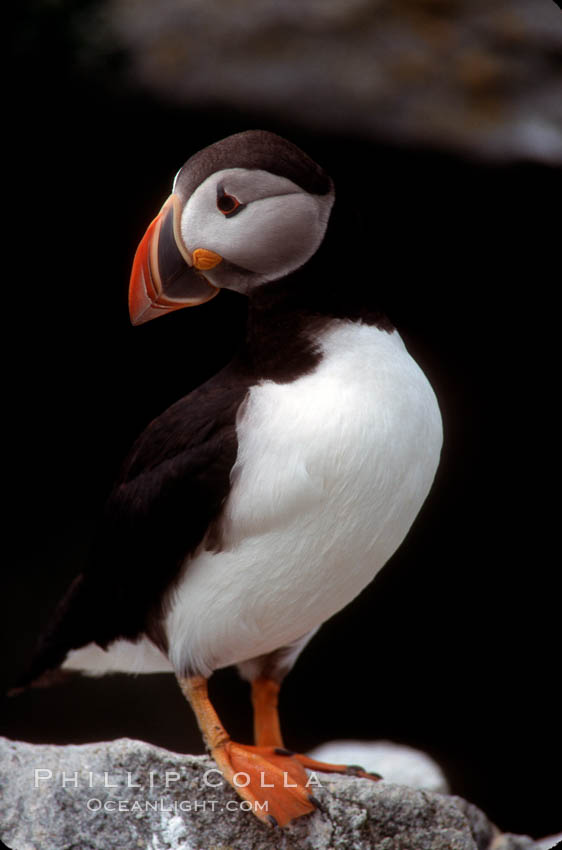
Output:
[[164, 276]]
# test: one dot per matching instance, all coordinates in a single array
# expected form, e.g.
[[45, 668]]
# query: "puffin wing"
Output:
[[166, 501]]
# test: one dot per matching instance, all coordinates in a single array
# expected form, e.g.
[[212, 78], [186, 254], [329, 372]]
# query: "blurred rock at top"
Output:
[[465, 75]]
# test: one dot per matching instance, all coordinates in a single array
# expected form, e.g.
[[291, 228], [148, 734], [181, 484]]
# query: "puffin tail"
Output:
[[44, 668]]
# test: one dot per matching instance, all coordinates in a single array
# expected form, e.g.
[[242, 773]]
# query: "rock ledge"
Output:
[[124, 795]]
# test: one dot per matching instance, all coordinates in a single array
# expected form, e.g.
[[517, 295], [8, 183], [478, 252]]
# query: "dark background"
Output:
[[455, 647]]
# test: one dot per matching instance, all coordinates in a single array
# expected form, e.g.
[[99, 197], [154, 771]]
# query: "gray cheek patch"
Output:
[[278, 230], [277, 234]]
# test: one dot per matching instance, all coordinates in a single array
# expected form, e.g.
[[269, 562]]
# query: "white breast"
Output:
[[331, 472]]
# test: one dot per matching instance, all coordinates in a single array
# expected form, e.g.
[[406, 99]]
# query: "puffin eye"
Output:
[[228, 204]]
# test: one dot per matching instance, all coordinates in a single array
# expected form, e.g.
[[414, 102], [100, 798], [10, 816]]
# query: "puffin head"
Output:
[[247, 210]]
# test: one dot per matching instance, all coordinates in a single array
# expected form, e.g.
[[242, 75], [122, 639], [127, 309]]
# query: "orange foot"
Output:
[[274, 780], [326, 767]]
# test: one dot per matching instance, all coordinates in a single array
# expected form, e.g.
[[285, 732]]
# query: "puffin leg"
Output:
[[265, 776], [267, 729]]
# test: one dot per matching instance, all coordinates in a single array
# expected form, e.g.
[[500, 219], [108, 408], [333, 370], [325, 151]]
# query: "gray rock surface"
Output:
[[468, 75], [124, 795]]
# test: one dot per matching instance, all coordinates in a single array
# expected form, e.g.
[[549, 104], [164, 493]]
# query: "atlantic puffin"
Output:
[[263, 502]]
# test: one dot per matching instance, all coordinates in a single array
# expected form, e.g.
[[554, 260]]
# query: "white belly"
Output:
[[331, 472]]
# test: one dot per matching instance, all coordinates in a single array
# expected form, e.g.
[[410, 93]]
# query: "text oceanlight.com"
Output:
[[175, 806]]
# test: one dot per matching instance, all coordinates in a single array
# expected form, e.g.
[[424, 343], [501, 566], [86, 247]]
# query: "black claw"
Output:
[[354, 769], [316, 802], [281, 751], [272, 821]]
